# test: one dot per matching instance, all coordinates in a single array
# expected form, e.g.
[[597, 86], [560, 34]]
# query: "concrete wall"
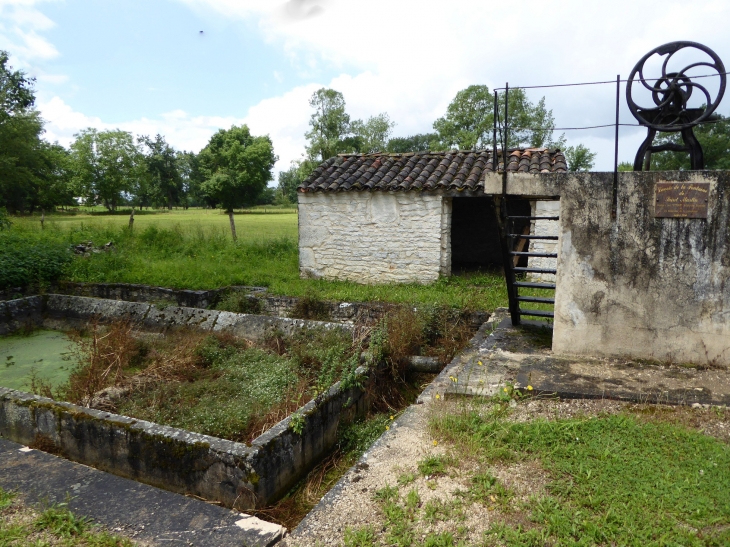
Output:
[[58, 311], [235, 474], [639, 286], [544, 228], [375, 237]]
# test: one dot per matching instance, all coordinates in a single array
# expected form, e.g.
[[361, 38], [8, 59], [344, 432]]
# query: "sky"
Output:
[[187, 68]]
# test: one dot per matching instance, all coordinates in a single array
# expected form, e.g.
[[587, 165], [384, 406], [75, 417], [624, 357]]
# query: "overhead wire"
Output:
[[602, 82]]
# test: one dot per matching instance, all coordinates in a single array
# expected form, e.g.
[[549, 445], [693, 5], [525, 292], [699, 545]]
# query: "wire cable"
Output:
[[601, 82]]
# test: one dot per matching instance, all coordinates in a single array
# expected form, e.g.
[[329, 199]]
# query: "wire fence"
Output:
[[502, 126]]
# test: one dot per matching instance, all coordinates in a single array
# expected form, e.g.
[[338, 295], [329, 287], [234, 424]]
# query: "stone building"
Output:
[[410, 217]]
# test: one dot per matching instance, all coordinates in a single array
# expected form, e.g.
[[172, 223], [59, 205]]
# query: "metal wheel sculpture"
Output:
[[670, 94]]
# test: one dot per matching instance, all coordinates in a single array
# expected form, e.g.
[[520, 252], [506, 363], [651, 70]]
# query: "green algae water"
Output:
[[46, 353]]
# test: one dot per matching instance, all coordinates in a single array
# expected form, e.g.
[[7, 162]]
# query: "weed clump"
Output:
[[28, 261], [240, 302], [212, 384], [430, 330], [309, 307]]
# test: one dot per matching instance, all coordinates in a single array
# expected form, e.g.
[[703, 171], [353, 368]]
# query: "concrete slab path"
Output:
[[522, 357], [143, 513]]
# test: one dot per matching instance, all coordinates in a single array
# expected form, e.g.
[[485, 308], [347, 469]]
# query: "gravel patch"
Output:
[[397, 453]]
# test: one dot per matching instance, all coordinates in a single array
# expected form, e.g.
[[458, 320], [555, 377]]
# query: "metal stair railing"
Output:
[[510, 238]]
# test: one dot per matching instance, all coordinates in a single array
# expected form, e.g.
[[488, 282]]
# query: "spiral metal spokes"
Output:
[[674, 90], [671, 92]]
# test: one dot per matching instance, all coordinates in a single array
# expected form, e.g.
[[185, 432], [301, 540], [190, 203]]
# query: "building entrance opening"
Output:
[[475, 243]]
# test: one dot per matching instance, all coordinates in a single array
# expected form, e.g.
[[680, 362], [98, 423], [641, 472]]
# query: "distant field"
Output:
[[253, 224]]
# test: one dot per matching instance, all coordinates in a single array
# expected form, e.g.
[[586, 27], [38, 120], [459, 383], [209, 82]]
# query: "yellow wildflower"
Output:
[[529, 388], [392, 418], [387, 427], [435, 443]]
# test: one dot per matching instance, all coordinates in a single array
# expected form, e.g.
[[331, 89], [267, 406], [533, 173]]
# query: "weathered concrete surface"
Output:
[[522, 357], [544, 228], [259, 302], [145, 514], [479, 345], [546, 185], [21, 313], [131, 292], [58, 311], [235, 474], [639, 286], [375, 237]]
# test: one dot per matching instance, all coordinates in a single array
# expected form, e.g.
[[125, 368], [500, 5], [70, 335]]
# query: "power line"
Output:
[[602, 82], [518, 128]]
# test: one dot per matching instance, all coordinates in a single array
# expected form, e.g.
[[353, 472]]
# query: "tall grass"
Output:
[[198, 256]]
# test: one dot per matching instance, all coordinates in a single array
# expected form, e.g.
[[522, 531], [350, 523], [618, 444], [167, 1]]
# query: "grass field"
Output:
[[258, 223], [193, 249]]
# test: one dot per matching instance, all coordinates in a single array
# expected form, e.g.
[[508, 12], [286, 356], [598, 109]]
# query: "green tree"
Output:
[[469, 120], [192, 179], [54, 178], [16, 90], [163, 170], [21, 149], [714, 138], [579, 158], [289, 181], [236, 167], [625, 166], [329, 126], [106, 165], [414, 143], [372, 135]]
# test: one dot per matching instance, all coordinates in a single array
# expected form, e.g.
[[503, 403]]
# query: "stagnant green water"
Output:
[[46, 353]]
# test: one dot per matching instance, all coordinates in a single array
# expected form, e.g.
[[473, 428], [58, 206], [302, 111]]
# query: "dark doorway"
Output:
[[475, 241]]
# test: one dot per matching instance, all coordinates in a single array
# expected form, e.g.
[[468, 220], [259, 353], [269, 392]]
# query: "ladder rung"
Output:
[[535, 270], [520, 236], [534, 285], [536, 299], [537, 313], [538, 255], [533, 218]]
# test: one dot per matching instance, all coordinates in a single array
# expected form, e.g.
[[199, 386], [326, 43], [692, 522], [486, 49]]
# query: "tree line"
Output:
[[467, 125], [113, 168]]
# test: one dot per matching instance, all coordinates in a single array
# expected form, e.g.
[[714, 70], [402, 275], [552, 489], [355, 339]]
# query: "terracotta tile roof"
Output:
[[453, 170]]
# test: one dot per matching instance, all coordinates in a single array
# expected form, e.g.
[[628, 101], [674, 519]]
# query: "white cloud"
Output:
[[20, 23], [183, 131], [410, 57], [282, 118]]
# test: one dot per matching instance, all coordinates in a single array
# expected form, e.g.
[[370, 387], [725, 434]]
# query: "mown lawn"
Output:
[[193, 249]]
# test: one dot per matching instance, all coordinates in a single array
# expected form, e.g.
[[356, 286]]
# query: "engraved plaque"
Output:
[[681, 199]]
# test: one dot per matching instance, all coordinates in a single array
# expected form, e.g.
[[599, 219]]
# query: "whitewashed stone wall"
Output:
[[374, 237], [544, 228]]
